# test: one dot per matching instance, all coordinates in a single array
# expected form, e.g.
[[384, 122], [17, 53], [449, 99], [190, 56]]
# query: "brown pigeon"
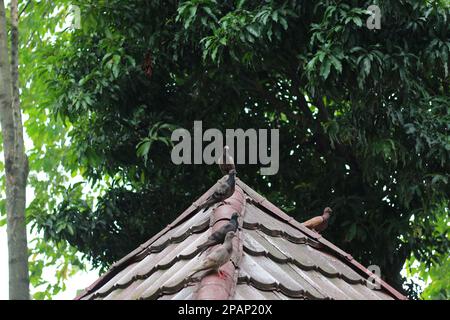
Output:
[[218, 236], [226, 162], [218, 257], [319, 223], [224, 190]]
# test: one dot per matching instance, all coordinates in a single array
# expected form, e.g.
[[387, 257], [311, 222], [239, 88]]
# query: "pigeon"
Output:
[[226, 162], [224, 190], [218, 257], [319, 223], [219, 236]]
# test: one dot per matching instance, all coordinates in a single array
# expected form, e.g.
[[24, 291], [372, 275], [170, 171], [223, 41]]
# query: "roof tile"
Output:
[[274, 257]]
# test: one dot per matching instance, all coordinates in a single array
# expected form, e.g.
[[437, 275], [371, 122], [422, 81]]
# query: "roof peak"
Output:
[[270, 238]]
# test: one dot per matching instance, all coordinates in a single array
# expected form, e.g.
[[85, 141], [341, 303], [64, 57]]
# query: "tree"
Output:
[[434, 274], [16, 162], [363, 116], [40, 24]]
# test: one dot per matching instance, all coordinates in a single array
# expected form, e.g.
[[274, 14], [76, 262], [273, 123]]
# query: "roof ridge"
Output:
[[211, 286]]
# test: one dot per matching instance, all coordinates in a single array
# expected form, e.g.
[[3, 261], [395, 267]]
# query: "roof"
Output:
[[274, 257]]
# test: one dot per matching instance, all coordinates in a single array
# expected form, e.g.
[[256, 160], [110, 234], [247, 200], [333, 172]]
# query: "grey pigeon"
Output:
[[218, 236], [226, 162], [224, 190], [218, 257], [319, 223]]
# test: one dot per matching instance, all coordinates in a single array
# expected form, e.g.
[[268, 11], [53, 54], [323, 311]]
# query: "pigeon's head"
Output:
[[232, 172], [230, 235], [226, 149], [327, 211], [235, 216]]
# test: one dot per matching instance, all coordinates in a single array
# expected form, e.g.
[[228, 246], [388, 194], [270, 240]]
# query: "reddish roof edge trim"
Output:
[[262, 201], [236, 259], [213, 287], [122, 263]]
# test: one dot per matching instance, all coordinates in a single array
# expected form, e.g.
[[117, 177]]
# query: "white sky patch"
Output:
[[79, 281], [415, 278]]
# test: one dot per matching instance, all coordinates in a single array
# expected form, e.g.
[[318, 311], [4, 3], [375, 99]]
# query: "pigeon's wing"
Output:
[[206, 264], [235, 225], [321, 227], [207, 244], [313, 222], [226, 167], [218, 236], [228, 227], [221, 190], [215, 197], [215, 238], [219, 257]]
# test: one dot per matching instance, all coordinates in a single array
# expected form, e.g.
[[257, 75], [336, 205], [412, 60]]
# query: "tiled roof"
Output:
[[274, 257]]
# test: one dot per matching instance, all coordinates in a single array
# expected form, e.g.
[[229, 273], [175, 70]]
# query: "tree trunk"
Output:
[[16, 162]]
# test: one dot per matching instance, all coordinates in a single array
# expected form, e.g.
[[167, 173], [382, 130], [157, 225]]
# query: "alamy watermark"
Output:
[[373, 282], [191, 151], [374, 21], [75, 11]]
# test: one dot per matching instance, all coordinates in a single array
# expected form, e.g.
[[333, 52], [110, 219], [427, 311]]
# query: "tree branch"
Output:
[[323, 116], [24, 8]]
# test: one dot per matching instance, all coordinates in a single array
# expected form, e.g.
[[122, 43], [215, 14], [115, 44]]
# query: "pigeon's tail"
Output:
[[201, 267], [188, 277], [207, 204], [204, 246]]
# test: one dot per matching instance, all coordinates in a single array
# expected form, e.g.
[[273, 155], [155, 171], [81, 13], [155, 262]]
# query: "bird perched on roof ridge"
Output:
[[218, 236], [319, 223], [224, 190], [218, 257], [226, 162]]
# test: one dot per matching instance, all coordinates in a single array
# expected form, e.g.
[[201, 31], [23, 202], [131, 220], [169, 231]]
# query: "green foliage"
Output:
[[50, 168], [435, 272], [439, 289], [363, 118], [364, 115], [143, 147]]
